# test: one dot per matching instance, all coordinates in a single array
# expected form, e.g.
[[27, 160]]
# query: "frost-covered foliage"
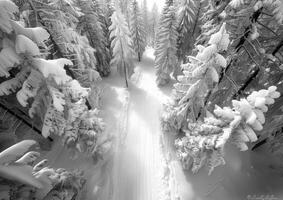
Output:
[[7, 10], [165, 51], [21, 175], [145, 17], [91, 24], [107, 10], [205, 140], [60, 19], [253, 59], [79, 128], [186, 25], [137, 30], [44, 86], [255, 53], [122, 45], [124, 6], [201, 74], [153, 22]]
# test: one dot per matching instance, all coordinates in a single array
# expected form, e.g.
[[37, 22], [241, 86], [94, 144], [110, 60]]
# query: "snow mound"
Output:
[[54, 68]]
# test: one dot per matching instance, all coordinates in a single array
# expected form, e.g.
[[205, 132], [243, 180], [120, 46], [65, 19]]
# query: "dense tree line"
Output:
[[225, 58], [227, 51]]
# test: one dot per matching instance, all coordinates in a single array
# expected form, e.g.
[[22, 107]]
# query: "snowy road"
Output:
[[139, 161]]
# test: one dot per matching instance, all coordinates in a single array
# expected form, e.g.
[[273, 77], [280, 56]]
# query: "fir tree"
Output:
[[227, 64], [124, 7], [91, 25], [107, 9], [205, 140], [186, 17], [121, 45], [145, 18], [153, 22], [137, 30], [65, 41], [45, 85], [165, 52], [23, 176]]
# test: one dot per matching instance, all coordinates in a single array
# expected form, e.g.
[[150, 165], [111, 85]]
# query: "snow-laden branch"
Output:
[[46, 89], [205, 140], [199, 77]]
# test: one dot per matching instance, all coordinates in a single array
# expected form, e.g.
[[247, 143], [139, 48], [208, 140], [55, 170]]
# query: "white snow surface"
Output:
[[144, 167], [146, 170], [138, 164]]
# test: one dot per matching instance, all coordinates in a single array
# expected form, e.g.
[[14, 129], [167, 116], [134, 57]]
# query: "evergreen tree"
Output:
[[44, 83], [91, 25], [107, 10], [168, 4], [187, 12], [124, 6], [137, 30], [165, 52], [65, 41], [121, 45], [232, 60], [25, 176], [145, 18], [205, 141], [153, 22]]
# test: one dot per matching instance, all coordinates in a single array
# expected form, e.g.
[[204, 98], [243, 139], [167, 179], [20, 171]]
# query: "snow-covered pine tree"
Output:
[[250, 53], [145, 17], [137, 30], [252, 63], [168, 3], [22, 176], [121, 45], [187, 15], [153, 22], [44, 87], [255, 55], [205, 141], [107, 11], [124, 6], [200, 75], [65, 40], [165, 51], [90, 24]]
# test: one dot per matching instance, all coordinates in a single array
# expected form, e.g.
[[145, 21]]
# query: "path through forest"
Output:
[[139, 164], [140, 171]]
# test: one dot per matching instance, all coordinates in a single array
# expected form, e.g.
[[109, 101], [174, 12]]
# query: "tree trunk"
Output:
[[139, 56], [126, 75]]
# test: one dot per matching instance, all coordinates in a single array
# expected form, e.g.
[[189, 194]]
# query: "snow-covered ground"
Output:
[[143, 165], [99, 180], [139, 163], [142, 173]]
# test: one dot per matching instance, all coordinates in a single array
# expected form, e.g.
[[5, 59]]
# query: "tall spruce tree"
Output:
[[121, 45], [107, 9], [91, 25], [230, 61], [145, 18], [165, 52], [153, 22], [186, 18], [137, 30], [124, 6]]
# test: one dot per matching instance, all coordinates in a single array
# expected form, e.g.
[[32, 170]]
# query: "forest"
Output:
[[141, 99]]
